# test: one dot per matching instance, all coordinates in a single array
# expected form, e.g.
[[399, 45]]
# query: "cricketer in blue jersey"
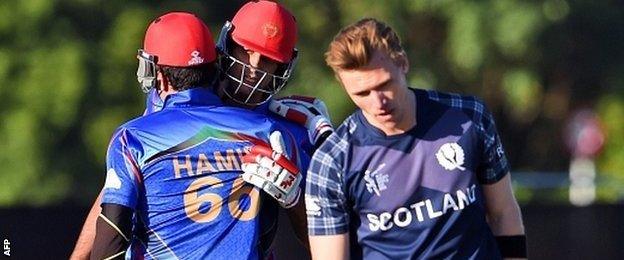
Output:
[[412, 174], [179, 169], [269, 211], [257, 55], [299, 111]]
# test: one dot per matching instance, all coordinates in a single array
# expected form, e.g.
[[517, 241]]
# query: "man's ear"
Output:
[[163, 84], [164, 89]]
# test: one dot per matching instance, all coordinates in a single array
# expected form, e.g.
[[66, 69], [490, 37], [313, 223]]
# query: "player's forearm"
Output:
[[298, 220], [507, 222], [83, 247], [509, 231], [505, 219], [503, 212], [332, 247]]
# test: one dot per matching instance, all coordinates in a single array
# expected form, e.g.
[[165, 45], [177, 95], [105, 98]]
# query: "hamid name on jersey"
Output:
[[187, 165]]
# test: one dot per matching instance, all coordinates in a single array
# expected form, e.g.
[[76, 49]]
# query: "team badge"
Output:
[[451, 156], [270, 30], [376, 181], [196, 58], [112, 180]]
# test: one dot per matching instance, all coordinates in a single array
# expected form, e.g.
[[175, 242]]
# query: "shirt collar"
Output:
[[192, 97]]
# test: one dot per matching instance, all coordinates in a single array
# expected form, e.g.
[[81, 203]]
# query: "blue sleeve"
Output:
[[326, 203], [123, 177], [493, 165]]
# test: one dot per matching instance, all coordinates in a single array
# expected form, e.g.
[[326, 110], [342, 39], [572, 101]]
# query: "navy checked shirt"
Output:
[[413, 195]]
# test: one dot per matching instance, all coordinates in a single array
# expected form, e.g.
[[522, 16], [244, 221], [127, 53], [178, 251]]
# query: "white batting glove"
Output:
[[269, 169], [309, 112]]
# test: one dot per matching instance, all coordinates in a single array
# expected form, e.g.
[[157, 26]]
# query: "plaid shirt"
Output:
[[327, 193]]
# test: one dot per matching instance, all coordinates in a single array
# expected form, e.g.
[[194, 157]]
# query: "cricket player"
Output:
[[254, 66], [293, 112], [174, 187], [412, 174]]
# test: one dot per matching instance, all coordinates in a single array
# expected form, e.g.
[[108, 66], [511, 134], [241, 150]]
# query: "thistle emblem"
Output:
[[451, 156]]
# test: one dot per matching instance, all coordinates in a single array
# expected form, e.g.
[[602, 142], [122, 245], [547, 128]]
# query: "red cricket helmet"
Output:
[[176, 39], [179, 39], [265, 27]]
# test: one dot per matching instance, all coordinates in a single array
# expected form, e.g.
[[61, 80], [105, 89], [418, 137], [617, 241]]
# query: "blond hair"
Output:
[[353, 46]]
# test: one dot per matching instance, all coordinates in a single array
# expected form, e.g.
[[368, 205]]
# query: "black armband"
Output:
[[512, 246], [113, 231]]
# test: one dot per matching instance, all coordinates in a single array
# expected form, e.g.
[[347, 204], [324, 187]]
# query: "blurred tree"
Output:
[[68, 70]]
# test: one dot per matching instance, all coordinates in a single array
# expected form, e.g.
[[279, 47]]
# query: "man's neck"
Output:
[[164, 93]]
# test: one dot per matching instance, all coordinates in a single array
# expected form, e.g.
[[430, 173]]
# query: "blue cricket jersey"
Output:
[[415, 195], [179, 169]]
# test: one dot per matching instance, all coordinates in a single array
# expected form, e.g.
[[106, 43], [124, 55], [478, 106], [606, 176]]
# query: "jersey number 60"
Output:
[[193, 201]]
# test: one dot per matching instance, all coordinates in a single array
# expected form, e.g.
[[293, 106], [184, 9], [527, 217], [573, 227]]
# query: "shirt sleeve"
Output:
[[123, 177], [326, 204], [493, 165]]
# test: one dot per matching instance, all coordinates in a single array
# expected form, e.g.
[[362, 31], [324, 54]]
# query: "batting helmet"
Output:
[[264, 27], [176, 39]]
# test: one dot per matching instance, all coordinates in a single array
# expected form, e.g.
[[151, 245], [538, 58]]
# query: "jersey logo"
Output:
[[312, 206], [376, 181], [451, 156], [112, 180]]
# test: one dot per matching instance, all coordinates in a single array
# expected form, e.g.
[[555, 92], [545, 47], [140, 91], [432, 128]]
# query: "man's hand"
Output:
[[269, 169], [307, 111]]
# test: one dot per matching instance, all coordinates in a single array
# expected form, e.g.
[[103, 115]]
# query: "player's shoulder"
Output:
[[126, 133], [469, 104], [346, 129], [129, 126], [337, 144], [151, 124], [134, 126], [456, 100]]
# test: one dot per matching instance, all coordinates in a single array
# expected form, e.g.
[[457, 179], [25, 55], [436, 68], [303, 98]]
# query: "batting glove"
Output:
[[269, 169], [309, 112]]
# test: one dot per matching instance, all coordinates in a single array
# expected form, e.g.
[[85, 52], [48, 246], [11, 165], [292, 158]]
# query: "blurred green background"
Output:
[[67, 69]]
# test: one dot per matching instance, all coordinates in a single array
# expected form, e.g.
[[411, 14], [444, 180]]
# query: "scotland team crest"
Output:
[[451, 156]]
